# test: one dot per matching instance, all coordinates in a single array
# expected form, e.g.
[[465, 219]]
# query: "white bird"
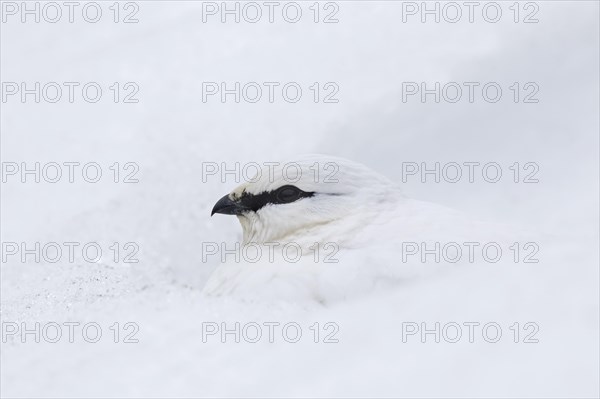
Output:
[[348, 225]]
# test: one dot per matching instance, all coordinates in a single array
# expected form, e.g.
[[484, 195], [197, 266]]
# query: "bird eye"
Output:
[[288, 194]]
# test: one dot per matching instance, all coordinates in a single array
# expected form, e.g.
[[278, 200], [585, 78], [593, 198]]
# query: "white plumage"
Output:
[[360, 222]]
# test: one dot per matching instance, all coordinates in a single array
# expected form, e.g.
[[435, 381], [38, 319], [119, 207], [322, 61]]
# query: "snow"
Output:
[[170, 132]]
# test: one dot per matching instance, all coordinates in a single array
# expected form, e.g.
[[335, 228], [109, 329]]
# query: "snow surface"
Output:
[[170, 132]]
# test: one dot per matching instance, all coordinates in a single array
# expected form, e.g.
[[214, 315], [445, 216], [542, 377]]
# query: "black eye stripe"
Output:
[[255, 202]]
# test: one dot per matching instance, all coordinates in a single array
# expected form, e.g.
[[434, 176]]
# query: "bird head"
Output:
[[285, 200]]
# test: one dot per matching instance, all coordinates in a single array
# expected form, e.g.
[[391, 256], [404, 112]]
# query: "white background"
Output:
[[171, 132]]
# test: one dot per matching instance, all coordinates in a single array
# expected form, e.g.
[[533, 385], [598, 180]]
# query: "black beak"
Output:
[[227, 207]]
